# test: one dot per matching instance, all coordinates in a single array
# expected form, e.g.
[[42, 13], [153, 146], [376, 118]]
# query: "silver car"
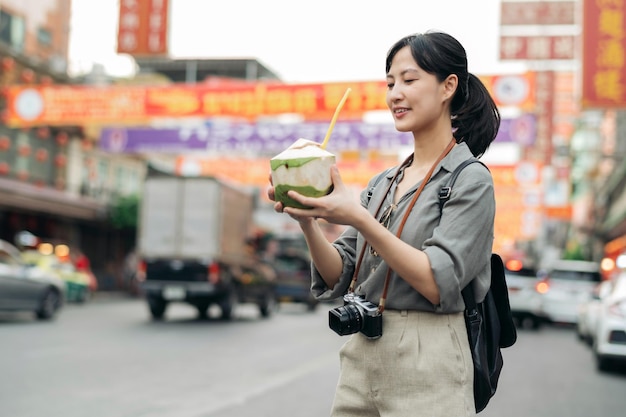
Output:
[[27, 288], [565, 287], [609, 332], [525, 301]]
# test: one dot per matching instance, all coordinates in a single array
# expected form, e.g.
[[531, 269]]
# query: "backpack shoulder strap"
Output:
[[378, 178], [446, 190]]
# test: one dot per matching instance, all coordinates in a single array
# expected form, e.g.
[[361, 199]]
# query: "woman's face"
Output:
[[416, 98]]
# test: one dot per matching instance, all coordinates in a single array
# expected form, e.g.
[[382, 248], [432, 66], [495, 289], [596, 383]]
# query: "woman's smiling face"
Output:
[[415, 97]]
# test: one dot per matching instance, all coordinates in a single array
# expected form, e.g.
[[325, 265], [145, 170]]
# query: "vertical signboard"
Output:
[[142, 27], [538, 47], [604, 54], [537, 13], [536, 16], [545, 112]]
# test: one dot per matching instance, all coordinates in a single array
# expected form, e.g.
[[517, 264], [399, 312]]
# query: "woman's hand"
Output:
[[271, 194], [338, 207]]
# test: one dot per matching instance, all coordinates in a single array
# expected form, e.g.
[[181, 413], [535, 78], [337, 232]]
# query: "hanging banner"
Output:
[[142, 27], [120, 105], [56, 105], [518, 13], [604, 54], [266, 138]]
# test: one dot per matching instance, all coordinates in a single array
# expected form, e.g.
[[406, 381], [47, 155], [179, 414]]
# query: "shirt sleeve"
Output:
[[460, 247]]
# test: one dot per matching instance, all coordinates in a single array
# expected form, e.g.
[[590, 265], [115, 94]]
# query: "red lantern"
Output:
[[62, 138], [4, 168], [41, 155], [24, 150], [5, 143], [27, 76], [60, 160], [22, 175], [43, 132], [87, 145], [7, 64], [46, 80]]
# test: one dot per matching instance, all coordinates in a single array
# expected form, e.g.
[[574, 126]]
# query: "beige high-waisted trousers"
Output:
[[420, 367]]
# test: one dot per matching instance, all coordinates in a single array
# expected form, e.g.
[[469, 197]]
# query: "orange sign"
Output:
[[142, 27], [257, 171], [604, 54], [66, 105], [119, 105], [513, 90]]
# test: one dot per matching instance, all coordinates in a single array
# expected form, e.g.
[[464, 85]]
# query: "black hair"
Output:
[[475, 116]]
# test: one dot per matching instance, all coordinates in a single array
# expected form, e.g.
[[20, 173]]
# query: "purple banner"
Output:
[[521, 130], [272, 137]]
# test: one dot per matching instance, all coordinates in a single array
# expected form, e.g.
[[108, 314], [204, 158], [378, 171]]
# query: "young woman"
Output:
[[421, 365]]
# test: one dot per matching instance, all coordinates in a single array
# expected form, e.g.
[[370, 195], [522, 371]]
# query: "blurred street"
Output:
[[108, 358]]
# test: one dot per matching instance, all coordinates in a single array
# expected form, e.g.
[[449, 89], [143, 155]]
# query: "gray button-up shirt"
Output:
[[458, 243]]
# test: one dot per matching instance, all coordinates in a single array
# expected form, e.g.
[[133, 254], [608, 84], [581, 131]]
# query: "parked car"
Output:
[[526, 302], [293, 277], [609, 340], [588, 311], [27, 288], [77, 283], [565, 286]]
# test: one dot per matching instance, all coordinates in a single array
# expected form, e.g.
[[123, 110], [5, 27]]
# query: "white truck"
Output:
[[193, 246]]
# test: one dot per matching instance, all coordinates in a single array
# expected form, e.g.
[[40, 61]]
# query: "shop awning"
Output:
[[24, 196]]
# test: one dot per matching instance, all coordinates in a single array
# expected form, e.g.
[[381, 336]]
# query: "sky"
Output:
[[302, 42]]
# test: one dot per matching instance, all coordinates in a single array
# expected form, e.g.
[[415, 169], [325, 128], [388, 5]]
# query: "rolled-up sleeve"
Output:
[[345, 245], [457, 249]]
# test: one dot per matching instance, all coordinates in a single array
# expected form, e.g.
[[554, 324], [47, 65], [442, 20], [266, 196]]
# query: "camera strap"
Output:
[[407, 162]]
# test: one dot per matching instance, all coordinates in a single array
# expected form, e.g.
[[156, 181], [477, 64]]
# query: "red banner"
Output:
[[537, 12], [604, 54], [126, 105], [67, 105], [539, 47], [142, 27]]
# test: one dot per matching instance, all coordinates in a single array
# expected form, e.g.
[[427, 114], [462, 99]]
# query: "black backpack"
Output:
[[490, 325]]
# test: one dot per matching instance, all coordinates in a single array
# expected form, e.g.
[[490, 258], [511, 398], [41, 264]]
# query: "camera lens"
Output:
[[345, 320]]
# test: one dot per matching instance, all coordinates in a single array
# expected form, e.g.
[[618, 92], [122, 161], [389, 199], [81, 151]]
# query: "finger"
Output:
[[302, 199], [271, 193], [299, 214], [271, 179], [335, 177], [278, 207]]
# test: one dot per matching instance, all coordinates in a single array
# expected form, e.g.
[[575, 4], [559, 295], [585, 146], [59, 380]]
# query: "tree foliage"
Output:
[[124, 212]]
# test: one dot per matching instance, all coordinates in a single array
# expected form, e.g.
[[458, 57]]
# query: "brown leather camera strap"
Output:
[[381, 304]]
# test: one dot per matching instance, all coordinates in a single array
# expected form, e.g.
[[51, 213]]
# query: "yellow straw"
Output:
[[335, 116]]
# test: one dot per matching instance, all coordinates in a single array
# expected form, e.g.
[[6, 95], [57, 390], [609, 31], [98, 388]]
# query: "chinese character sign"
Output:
[[604, 54], [142, 27]]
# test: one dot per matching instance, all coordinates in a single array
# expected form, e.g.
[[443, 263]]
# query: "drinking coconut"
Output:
[[303, 167]]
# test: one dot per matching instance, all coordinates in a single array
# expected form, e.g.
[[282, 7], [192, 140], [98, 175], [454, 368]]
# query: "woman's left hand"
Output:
[[338, 207]]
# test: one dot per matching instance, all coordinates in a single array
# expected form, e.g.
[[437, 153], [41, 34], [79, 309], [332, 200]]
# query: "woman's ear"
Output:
[[450, 85]]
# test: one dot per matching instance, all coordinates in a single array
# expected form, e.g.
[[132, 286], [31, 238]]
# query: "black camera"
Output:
[[356, 315]]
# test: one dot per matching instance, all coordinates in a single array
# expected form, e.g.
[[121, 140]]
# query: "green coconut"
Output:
[[303, 167]]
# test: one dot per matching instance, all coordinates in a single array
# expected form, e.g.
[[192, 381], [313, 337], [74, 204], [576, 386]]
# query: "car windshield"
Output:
[[570, 275], [291, 263]]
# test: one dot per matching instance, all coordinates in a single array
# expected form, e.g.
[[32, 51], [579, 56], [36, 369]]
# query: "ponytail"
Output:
[[476, 120]]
